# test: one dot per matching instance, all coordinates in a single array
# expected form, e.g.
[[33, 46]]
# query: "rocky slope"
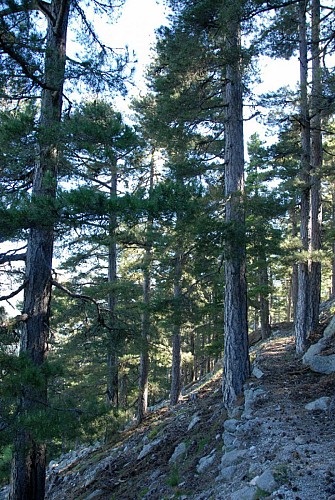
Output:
[[278, 442]]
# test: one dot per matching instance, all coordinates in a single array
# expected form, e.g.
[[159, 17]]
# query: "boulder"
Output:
[[195, 420], [246, 493], [315, 357], [250, 397], [230, 425], [266, 481], [148, 447], [206, 462], [319, 404], [178, 452], [232, 457], [227, 473]]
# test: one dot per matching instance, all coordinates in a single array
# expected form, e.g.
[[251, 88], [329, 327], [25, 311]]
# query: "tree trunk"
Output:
[[294, 279], [333, 245], [176, 340], [144, 360], [302, 311], [264, 300], [113, 337], [236, 357], [316, 166], [29, 456]]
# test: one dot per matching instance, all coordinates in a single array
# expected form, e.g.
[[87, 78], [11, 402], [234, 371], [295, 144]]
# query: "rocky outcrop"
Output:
[[320, 357]]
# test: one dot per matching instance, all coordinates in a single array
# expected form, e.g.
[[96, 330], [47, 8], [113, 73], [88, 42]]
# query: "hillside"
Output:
[[270, 447]]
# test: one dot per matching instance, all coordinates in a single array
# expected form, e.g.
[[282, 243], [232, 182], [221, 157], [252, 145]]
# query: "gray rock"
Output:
[[319, 404], [230, 440], [195, 420], [227, 473], [266, 481], [148, 447], [246, 493], [230, 425], [330, 328], [94, 494], [232, 457], [300, 440], [178, 452], [250, 398], [314, 359], [257, 372], [205, 462]]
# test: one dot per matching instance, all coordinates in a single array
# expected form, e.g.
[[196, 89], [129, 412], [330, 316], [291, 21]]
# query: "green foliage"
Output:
[[5, 462]]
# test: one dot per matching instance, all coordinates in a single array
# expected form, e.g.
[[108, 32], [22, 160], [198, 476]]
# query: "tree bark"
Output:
[[236, 357], [144, 359], [316, 166], [264, 300], [29, 457], [176, 339], [112, 341], [302, 321]]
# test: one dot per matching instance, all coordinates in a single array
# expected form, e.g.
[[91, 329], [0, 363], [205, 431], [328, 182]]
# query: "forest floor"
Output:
[[277, 434]]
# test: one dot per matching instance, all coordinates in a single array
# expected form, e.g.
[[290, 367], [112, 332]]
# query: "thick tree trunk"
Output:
[[29, 457], [113, 337], [333, 246], [144, 360], [236, 357], [176, 338], [294, 278], [316, 166], [143, 383], [302, 321]]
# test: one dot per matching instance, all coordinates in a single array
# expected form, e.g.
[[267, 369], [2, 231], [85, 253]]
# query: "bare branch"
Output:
[[16, 292], [85, 298], [4, 258]]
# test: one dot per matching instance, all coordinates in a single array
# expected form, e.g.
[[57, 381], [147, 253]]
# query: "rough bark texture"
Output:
[[264, 301], [112, 346], [176, 340], [143, 383], [316, 166], [236, 358], [303, 305], [29, 457]]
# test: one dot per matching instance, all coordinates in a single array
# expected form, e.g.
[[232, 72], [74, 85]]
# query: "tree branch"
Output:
[[85, 298], [11, 258], [6, 297]]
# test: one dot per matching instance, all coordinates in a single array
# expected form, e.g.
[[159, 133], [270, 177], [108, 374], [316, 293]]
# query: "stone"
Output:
[[195, 420], [257, 372], [230, 425], [148, 447], [230, 440], [266, 481], [250, 398], [300, 440], [232, 457], [330, 328], [94, 494], [178, 452], [319, 404], [227, 473], [205, 462], [313, 357], [246, 493]]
